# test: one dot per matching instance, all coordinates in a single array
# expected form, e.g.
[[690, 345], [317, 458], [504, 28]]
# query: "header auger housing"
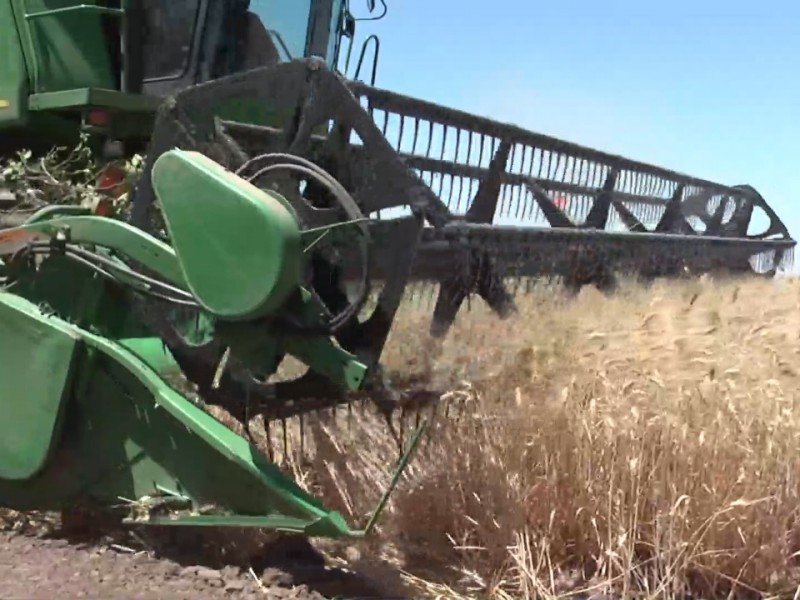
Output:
[[96, 401]]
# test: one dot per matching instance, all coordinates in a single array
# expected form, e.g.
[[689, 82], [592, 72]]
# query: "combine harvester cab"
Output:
[[69, 67]]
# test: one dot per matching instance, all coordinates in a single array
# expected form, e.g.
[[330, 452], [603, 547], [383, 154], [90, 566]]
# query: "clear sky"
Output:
[[705, 87]]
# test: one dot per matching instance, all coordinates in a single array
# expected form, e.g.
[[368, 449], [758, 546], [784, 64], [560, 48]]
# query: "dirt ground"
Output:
[[54, 564]]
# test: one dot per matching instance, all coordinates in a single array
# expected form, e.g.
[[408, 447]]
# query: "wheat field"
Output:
[[645, 444]]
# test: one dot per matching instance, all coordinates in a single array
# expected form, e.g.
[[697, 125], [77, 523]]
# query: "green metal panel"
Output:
[[238, 246], [68, 47], [110, 233], [13, 74], [129, 435], [93, 97], [32, 404], [131, 115]]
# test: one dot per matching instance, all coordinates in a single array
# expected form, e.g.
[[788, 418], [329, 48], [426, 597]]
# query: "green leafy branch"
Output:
[[64, 176]]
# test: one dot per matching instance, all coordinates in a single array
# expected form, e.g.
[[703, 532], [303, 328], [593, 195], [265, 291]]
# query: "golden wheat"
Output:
[[646, 442]]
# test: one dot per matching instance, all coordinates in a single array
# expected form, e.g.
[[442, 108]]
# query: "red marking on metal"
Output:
[[112, 181], [98, 118], [16, 235]]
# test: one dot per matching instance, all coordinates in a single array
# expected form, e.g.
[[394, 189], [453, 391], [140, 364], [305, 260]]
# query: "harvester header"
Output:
[[286, 207]]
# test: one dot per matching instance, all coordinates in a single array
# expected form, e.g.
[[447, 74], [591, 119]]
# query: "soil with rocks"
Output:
[[61, 564]]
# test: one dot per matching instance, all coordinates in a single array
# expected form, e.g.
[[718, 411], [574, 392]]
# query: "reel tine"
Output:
[[385, 406], [388, 418]]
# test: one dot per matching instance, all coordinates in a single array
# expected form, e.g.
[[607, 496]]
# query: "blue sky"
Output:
[[707, 87]]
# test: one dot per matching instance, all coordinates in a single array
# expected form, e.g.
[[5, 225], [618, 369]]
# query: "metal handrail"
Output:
[[103, 10]]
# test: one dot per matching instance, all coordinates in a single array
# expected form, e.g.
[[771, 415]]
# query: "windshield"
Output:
[[287, 22], [168, 33]]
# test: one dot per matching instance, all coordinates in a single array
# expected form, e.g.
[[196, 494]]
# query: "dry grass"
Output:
[[648, 442]]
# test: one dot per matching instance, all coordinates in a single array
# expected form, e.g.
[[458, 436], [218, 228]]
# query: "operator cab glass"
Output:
[[301, 28], [167, 33], [287, 21], [239, 34]]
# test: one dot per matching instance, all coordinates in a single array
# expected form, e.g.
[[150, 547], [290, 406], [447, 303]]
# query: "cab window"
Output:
[[287, 23], [168, 35]]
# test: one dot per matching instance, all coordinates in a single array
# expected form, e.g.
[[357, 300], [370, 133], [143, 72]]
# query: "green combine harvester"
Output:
[[92, 412], [277, 196]]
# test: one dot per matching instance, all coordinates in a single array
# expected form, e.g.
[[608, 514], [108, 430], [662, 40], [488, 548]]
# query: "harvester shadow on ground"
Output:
[[282, 561]]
